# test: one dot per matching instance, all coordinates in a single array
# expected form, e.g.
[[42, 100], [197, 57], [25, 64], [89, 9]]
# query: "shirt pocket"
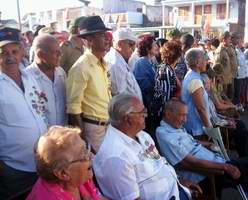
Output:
[[10, 114]]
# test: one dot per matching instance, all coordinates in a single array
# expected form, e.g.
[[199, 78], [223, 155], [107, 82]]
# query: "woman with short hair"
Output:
[[144, 72], [194, 93], [64, 165]]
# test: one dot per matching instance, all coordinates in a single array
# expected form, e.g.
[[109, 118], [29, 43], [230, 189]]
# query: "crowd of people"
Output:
[[131, 107]]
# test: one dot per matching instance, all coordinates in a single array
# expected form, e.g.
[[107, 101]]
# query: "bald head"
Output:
[[47, 51], [42, 42]]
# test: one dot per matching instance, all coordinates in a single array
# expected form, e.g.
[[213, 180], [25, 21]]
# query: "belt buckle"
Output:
[[101, 123]]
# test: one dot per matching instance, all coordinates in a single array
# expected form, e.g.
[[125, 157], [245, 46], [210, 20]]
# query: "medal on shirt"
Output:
[[151, 151]]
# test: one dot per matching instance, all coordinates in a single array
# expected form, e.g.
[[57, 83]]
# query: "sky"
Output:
[[9, 7]]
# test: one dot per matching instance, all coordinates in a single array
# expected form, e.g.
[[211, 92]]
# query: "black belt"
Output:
[[96, 122]]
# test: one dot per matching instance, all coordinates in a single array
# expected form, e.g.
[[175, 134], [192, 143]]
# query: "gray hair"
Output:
[[54, 150], [119, 106], [173, 105], [192, 57], [42, 42]]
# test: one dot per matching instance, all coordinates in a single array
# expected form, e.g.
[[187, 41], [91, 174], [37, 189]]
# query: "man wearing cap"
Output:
[[87, 87], [122, 79], [223, 56], [73, 48], [22, 118]]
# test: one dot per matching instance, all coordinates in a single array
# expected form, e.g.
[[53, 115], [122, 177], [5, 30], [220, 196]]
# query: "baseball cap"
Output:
[[124, 34], [9, 35]]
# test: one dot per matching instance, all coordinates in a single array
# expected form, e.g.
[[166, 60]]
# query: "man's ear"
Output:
[[62, 174], [41, 54]]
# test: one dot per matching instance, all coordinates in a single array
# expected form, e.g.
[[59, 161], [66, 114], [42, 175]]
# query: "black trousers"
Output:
[[13, 182]]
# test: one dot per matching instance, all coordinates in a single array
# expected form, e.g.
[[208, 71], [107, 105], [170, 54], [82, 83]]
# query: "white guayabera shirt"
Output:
[[55, 93], [122, 79], [22, 121], [127, 169]]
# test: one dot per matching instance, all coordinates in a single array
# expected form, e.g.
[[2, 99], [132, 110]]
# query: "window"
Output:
[[221, 11], [198, 14], [207, 9], [183, 13]]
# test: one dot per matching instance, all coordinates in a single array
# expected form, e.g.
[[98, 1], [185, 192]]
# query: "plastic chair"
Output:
[[215, 135]]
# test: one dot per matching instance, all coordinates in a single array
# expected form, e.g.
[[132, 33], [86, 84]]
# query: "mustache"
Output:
[[10, 61]]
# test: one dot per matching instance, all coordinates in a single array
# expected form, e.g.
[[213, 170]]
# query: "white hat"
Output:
[[124, 34]]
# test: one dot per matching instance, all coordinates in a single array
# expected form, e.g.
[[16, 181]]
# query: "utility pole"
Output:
[[246, 21], [19, 14]]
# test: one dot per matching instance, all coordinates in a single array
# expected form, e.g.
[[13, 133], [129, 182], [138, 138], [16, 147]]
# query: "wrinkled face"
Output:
[[79, 169], [202, 62], [178, 117], [227, 41], [10, 56], [136, 118], [126, 48], [53, 55], [100, 42]]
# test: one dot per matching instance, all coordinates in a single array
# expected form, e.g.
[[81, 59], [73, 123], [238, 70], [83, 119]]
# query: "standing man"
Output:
[[73, 48], [122, 79], [225, 56], [22, 118], [87, 86], [50, 77]]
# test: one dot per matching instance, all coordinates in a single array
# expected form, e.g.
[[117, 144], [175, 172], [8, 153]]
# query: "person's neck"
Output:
[[47, 70], [119, 51], [127, 131], [74, 191], [99, 55], [15, 74]]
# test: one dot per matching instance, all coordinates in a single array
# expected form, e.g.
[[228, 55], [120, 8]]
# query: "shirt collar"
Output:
[[123, 136], [168, 126], [4, 76], [94, 60]]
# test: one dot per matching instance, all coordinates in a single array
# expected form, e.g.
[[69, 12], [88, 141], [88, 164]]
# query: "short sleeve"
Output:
[[173, 148], [194, 85], [75, 86]]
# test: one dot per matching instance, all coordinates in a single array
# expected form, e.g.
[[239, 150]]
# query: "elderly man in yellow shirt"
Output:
[[87, 86]]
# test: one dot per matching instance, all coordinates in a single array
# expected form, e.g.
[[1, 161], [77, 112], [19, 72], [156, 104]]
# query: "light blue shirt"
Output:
[[176, 144], [55, 91], [193, 123], [22, 121]]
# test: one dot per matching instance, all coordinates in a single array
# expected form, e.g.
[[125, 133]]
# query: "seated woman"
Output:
[[221, 102], [64, 166], [236, 127]]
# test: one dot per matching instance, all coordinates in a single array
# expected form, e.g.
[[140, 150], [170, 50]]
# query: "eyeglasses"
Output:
[[88, 155], [143, 112]]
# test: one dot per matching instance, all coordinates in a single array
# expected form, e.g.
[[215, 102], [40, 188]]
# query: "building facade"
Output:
[[209, 17]]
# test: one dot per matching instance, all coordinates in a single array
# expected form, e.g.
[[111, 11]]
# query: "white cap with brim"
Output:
[[124, 34]]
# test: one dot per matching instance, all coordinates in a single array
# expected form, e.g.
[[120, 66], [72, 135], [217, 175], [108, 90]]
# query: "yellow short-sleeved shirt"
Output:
[[88, 88]]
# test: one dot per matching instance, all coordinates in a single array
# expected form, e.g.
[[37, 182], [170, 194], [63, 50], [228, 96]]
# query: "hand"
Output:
[[195, 189], [232, 171]]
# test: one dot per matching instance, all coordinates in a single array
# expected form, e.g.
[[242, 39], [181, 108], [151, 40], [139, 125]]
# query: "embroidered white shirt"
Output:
[[55, 91], [122, 79], [22, 121], [127, 169]]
